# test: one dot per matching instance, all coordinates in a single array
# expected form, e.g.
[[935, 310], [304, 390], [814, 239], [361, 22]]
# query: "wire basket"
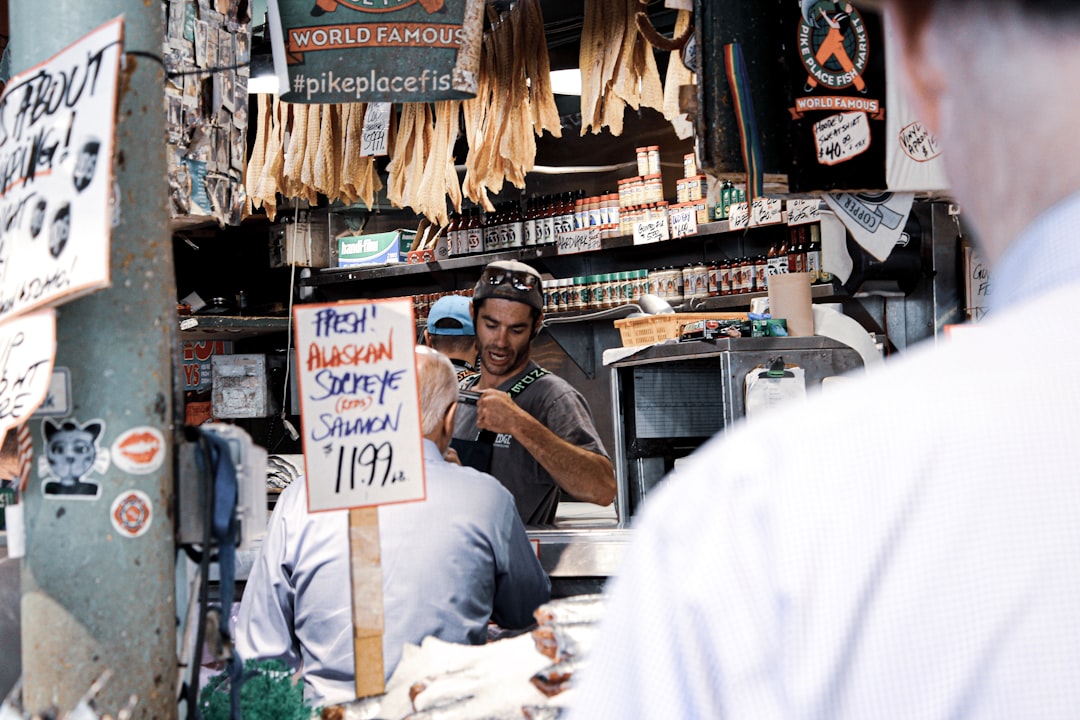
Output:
[[651, 329]]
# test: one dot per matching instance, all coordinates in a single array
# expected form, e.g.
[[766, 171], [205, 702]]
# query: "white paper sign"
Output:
[[27, 348], [651, 231], [803, 212], [57, 401], [359, 403], [576, 241], [766, 211], [840, 137], [56, 150], [376, 129], [738, 216], [683, 221]]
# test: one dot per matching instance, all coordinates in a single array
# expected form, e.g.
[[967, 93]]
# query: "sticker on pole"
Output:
[[27, 347], [57, 122], [131, 513], [139, 451], [359, 405]]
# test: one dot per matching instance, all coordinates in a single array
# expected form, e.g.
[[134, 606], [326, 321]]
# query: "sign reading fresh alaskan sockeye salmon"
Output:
[[346, 51]]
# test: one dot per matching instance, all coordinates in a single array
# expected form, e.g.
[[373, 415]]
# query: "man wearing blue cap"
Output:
[[450, 330]]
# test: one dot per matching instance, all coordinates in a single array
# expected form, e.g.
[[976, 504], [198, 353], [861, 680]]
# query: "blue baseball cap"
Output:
[[451, 315]]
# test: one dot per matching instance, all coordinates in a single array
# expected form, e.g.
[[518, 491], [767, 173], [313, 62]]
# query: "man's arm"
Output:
[[585, 474]]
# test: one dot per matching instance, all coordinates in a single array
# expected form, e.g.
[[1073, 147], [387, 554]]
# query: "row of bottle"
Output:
[[422, 302], [595, 292], [800, 253], [544, 218]]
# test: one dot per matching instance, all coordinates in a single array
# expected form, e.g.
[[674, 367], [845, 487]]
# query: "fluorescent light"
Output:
[[566, 82], [263, 85]]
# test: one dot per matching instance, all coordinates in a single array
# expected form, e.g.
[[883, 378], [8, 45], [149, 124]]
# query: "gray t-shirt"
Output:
[[563, 410]]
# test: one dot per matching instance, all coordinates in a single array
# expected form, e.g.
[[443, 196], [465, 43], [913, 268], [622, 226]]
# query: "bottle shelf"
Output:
[[334, 276]]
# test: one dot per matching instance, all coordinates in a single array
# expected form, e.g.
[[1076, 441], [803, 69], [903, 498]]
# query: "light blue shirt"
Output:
[[449, 564], [906, 546]]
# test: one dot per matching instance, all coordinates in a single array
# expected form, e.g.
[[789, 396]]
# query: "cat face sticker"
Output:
[[71, 453]]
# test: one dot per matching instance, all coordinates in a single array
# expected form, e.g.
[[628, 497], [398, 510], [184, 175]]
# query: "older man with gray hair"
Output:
[[450, 564]]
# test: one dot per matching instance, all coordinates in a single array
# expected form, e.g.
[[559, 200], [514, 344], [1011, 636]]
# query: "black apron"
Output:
[[477, 453]]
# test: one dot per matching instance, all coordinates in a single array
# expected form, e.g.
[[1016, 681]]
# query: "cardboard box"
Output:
[[376, 249], [301, 238]]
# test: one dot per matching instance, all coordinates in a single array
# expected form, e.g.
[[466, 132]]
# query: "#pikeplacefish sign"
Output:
[[359, 404], [345, 51], [57, 122]]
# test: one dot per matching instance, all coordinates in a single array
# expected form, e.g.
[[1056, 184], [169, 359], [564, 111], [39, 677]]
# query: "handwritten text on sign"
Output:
[[358, 404], [766, 211], [739, 216], [27, 347], [56, 149], [802, 212], [373, 140], [650, 231], [841, 137], [683, 221], [576, 241]]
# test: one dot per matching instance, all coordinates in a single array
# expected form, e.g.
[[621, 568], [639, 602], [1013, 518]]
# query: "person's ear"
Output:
[[537, 326], [921, 77], [448, 421]]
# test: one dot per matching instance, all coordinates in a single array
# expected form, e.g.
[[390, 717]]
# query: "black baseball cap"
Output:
[[510, 280]]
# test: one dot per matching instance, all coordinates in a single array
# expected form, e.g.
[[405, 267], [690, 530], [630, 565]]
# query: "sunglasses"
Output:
[[522, 281]]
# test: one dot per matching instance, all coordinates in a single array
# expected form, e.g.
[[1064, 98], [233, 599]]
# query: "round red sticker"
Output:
[[131, 513]]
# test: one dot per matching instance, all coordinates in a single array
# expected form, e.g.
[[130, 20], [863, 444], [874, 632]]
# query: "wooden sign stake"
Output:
[[366, 577]]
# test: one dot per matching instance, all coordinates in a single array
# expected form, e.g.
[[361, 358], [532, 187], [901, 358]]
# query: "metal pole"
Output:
[[92, 599]]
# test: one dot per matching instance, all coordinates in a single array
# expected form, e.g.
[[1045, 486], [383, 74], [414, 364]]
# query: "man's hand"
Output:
[[496, 411], [586, 475]]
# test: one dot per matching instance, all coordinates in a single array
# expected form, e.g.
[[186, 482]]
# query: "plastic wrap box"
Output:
[[376, 249]]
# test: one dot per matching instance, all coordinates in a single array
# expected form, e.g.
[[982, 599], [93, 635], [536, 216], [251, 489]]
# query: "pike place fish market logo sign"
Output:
[[322, 7], [833, 45]]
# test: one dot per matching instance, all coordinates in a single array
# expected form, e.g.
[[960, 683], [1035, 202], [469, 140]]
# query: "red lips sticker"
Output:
[[139, 450]]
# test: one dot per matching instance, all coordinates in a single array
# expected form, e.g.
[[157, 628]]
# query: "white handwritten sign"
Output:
[[56, 148], [577, 241], [373, 139], [651, 231], [840, 137], [739, 216], [918, 144], [683, 221], [766, 211], [358, 403], [27, 347], [803, 212]]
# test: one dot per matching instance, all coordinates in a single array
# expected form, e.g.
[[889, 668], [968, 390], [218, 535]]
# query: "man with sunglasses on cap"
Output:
[[450, 330], [532, 429]]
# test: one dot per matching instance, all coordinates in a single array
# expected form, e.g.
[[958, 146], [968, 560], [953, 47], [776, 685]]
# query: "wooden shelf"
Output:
[[229, 327]]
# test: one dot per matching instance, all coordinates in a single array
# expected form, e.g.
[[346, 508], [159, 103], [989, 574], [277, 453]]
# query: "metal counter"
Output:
[[580, 552]]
